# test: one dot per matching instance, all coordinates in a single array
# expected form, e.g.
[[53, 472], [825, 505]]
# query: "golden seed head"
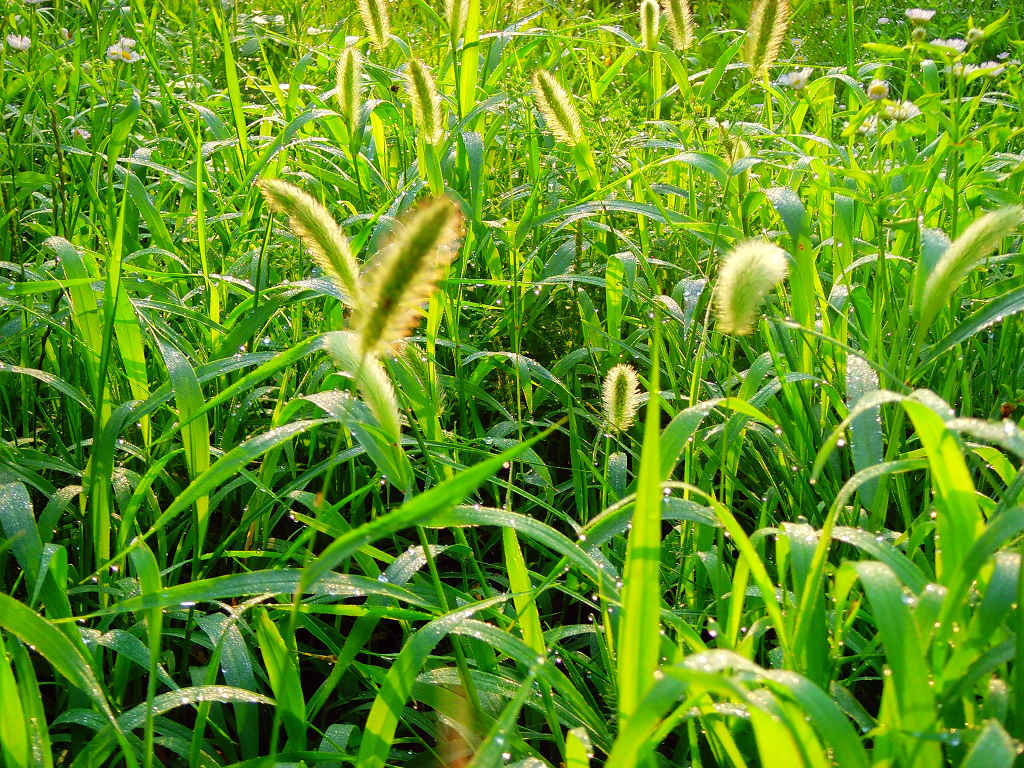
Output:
[[425, 101], [556, 105], [769, 20], [348, 85], [376, 21], [748, 273], [621, 397], [680, 23], [407, 274], [650, 23], [318, 231], [456, 12]]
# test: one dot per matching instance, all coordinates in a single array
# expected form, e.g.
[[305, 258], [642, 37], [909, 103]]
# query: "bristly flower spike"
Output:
[[377, 22], [556, 105], [749, 272], [679, 18], [621, 397], [650, 23], [407, 275], [318, 230], [765, 33], [455, 13], [348, 86], [425, 100]]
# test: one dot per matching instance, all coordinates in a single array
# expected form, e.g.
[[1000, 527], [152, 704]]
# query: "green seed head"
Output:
[[426, 103], [407, 275], [318, 230], [650, 21], [621, 397], [765, 33], [749, 272], [977, 241], [348, 86], [680, 23], [455, 13], [556, 105], [377, 22]]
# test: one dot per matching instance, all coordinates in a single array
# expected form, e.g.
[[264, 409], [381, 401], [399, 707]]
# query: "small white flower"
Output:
[[65, 34], [127, 43], [920, 15], [991, 69], [950, 46], [869, 127], [901, 111], [1003, 56], [797, 79], [883, 20], [878, 90], [19, 42], [81, 133], [975, 35], [121, 53]]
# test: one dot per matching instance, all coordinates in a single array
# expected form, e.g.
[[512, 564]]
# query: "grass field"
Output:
[[536, 384]]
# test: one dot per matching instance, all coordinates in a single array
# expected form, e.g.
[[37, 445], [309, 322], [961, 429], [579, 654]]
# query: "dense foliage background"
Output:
[[804, 552]]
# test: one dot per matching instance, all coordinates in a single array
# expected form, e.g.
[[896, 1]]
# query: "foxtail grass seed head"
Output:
[[318, 231], [425, 100], [650, 23], [348, 85], [679, 18], [766, 30], [377, 22], [407, 275], [749, 272], [980, 238], [556, 105], [455, 13], [621, 397]]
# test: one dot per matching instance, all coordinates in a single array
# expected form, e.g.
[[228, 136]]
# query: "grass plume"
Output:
[[348, 85], [650, 23], [748, 274], [621, 397], [679, 19], [377, 22], [556, 105], [407, 274], [766, 30], [425, 101], [318, 231]]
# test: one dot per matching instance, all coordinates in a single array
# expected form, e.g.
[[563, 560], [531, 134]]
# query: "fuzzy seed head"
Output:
[[377, 22], [650, 23], [318, 231], [980, 238], [680, 23], [769, 20], [426, 103], [348, 85], [749, 272], [556, 105], [456, 12], [621, 397], [407, 275]]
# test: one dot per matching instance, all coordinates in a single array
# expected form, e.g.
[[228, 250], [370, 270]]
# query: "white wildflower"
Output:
[[797, 79], [951, 46], [901, 111], [19, 42], [123, 50], [920, 15], [878, 90], [81, 133]]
